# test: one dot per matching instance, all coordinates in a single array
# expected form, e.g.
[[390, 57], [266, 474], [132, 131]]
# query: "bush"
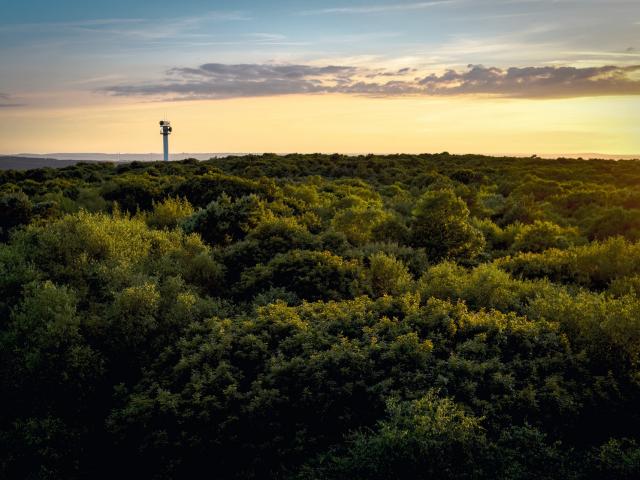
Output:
[[485, 286], [15, 209], [388, 276], [224, 221], [594, 266], [310, 275], [426, 438], [169, 213], [440, 223], [614, 222], [358, 223], [541, 236], [619, 459]]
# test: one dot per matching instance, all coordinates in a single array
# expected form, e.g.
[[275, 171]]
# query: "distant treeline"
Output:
[[321, 317]]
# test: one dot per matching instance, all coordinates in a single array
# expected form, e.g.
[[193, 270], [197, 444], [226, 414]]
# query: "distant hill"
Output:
[[28, 163]]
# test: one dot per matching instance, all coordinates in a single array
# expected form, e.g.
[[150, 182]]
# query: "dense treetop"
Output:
[[321, 317]]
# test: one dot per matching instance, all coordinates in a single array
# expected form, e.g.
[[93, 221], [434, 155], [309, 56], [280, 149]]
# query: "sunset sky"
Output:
[[482, 76]]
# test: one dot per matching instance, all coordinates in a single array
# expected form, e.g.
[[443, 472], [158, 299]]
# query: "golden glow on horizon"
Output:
[[334, 123]]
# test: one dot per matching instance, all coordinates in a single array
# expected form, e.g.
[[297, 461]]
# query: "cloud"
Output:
[[536, 82], [6, 101], [81, 24], [218, 80], [148, 29], [376, 8]]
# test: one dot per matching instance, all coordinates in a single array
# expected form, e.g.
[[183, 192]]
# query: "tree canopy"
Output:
[[321, 317]]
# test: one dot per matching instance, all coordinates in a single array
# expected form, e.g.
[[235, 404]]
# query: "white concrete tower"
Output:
[[165, 131]]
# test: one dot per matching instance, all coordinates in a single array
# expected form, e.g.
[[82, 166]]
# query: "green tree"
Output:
[[357, 223], [388, 276], [617, 459], [169, 213], [310, 275], [440, 223], [224, 221], [540, 236], [15, 209], [427, 438]]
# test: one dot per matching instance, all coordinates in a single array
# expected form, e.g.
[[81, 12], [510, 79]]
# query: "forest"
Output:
[[321, 317]]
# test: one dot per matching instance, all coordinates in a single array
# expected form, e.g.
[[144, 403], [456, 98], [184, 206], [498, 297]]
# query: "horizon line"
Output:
[[58, 155]]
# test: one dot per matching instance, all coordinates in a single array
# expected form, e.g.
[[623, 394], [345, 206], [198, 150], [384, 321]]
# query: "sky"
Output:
[[352, 76]]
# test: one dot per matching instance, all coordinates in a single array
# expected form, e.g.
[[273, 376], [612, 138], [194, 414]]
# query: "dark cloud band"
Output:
[[216, 80], [5, 101], [536, 81]]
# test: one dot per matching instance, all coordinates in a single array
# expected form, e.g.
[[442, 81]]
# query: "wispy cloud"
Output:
[[6, 101], [216, 80], [136, 28], [376, 8], [80, 24]]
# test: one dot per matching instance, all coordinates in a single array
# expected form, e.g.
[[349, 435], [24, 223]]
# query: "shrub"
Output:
[[169, 213], [440, 223], [540, 236], [310, 275], [388, 276], [224, 221]]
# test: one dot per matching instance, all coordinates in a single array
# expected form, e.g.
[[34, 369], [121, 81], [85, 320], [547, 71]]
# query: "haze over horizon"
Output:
[[546, 77], [174, 156]]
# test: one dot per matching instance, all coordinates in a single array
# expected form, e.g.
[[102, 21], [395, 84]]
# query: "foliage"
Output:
[[541, 236], [388, 275], [15, 209], [425, 438], [224, 221], [594, 266], [440, 224], [310, 275], [169, 213], [322, 317]]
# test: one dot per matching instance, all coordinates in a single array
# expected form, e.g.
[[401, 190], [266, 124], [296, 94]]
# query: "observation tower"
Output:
[[165, 131]]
